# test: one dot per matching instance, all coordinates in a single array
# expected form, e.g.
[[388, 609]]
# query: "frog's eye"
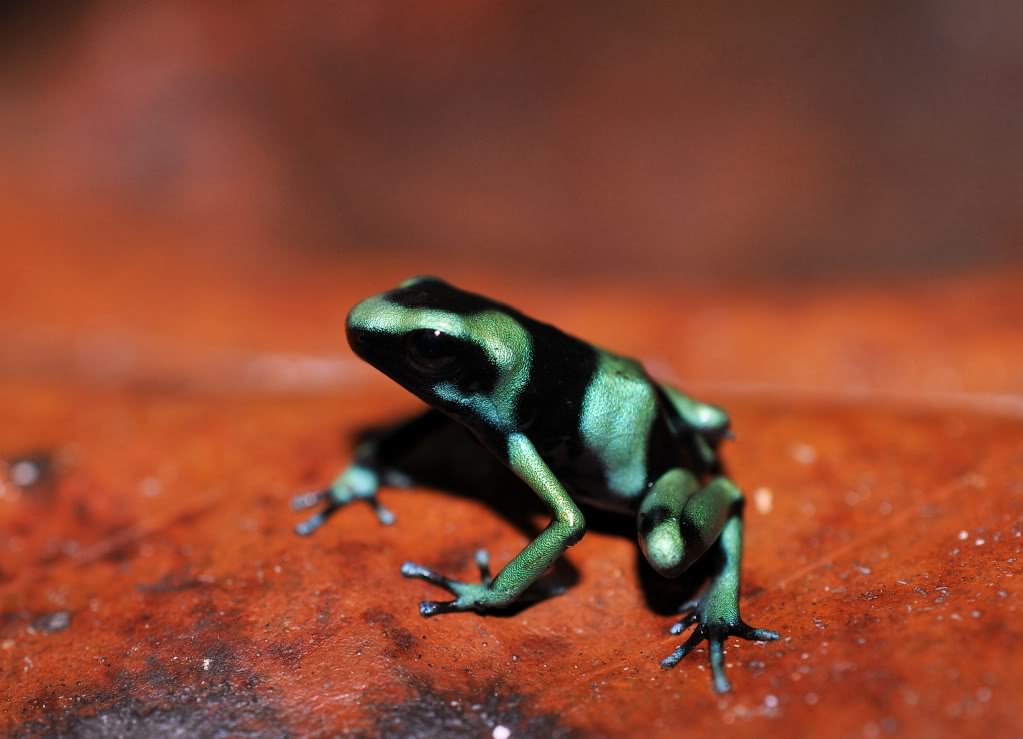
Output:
[[432, 352]]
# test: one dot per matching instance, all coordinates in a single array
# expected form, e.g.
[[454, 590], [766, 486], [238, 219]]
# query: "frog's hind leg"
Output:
[[678, 524]]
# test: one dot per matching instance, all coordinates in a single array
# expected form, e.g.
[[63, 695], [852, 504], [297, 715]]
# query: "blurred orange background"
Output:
[[163, 155]]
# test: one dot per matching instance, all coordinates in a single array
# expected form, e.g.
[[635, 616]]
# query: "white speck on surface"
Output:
[[771, 701], [206, 663], [979, 542], [763, 499], [151, 487], [24, 473], [803, 453], [964, 535], [501, 732]]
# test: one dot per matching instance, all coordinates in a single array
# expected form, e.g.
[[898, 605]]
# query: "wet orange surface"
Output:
[[150, 581], [806, 212]]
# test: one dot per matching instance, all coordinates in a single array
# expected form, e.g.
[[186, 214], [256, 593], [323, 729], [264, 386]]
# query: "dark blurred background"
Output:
[[693, 140]]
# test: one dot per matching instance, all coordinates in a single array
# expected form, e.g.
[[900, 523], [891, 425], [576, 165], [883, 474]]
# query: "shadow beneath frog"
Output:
[[453, 461], [665, 596]]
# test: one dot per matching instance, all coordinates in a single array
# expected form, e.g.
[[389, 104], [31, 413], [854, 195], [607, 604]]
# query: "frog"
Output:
[[581, 426]]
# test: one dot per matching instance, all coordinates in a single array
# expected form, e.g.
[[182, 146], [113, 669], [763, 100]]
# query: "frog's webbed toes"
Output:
[[467, 595], [308, 500], [334, 498], [715, 632]]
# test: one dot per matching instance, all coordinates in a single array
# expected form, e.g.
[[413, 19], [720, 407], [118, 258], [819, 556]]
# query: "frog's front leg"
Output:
[[372, 467], [565, 529], [678, 523]]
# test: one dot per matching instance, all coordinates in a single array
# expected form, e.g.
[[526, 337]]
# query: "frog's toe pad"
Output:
[[745, 631], [685, 622], [433, 608], [418, 572], [305, 501]]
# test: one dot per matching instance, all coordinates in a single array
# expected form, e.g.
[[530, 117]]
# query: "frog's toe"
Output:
[[745, 631], [483, 563], [418, 572], [384, 515], [675, 657], [435, 607], [689, 605], [685, 622], [715, 642], [715, 633], [305, 501], [468, 596], [315, 521]]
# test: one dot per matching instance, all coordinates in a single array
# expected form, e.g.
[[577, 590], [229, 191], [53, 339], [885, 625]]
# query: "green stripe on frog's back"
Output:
[[619, 409]]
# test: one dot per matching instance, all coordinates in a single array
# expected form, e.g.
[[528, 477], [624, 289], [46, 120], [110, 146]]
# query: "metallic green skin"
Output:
[[575, 423]]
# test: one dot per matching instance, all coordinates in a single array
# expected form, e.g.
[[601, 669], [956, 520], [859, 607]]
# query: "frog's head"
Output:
[[457, 351]]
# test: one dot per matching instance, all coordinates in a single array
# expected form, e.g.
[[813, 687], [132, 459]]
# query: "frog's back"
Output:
[[597, 419], [600, 424]]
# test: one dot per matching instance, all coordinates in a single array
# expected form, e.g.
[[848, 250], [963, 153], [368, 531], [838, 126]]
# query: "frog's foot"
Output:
[[716, 616], [468, 596], [355, 483]]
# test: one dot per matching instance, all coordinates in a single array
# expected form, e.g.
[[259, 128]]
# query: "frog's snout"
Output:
[[358, 337]]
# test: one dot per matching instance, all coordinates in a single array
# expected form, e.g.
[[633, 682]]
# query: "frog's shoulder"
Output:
[[619, 384]]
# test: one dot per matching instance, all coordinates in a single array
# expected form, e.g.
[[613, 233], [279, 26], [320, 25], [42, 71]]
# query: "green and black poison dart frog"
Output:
[[576, 423]]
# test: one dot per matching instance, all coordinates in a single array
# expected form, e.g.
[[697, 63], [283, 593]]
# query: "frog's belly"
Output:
[[590, 484], [608, 502]]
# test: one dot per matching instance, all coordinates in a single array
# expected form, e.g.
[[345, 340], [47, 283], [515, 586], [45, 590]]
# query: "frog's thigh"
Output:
[[679, 521]]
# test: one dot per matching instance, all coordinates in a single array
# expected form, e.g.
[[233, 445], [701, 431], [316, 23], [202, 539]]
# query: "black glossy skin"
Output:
[[549, 409]]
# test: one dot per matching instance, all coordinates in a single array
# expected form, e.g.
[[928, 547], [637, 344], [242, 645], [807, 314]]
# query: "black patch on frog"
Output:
[[654, 518], [550, 407], [435, 294]]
